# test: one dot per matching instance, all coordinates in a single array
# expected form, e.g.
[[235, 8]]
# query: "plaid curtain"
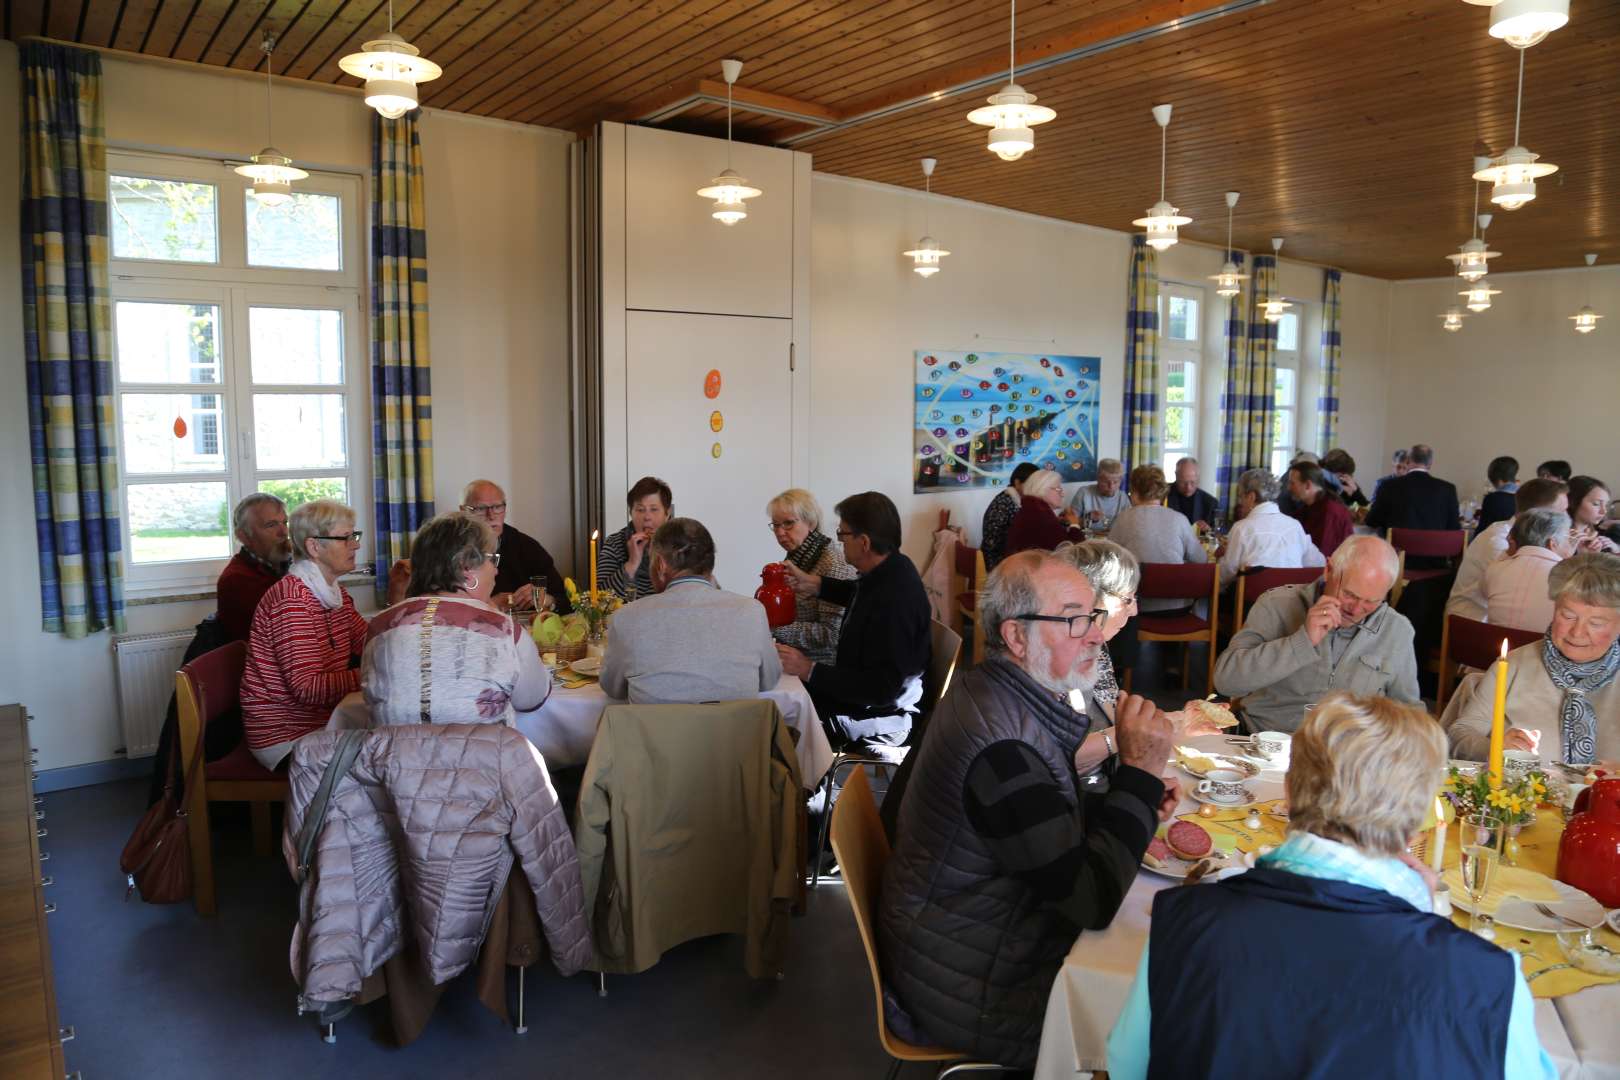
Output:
[[1235, 391], [1140, 437], [1249, 403], [1327, 403], [67, 342], [401, 390]]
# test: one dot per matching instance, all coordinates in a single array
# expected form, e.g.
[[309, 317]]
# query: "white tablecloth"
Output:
[[564, 728], [1579, 1031]]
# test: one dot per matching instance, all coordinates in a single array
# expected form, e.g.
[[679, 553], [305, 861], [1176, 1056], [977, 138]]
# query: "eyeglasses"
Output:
[[352, 538], [494, 558], [486, 509], [784, 525], [1079, 625], [845, 534]]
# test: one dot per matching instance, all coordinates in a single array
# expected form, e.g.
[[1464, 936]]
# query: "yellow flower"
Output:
[[1515, 803], [573, 590], [1537, 787], [1497, 797]]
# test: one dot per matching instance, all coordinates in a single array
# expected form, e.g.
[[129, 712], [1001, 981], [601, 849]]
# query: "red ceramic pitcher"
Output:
[[1589, 853], [776, 594]]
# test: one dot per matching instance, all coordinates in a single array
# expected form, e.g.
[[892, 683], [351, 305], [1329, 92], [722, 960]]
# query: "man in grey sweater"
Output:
[[690, 641], [1300, 641]]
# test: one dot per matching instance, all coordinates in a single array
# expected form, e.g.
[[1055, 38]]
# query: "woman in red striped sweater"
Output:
[[304, 651]]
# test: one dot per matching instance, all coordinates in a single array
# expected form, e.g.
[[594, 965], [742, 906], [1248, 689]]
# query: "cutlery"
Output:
[[1558, 916]]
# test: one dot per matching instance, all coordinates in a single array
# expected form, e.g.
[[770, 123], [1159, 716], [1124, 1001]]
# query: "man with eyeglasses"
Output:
[[522, 557], [999, 860], [1301, 641]]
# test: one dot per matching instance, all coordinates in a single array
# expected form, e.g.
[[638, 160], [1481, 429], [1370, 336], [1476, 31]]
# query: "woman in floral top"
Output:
[[796, 524], [999, 514]]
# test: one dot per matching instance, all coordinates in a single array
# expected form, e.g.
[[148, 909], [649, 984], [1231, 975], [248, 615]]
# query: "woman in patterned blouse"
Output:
[[796, 524], [625, 568], [999, 514]]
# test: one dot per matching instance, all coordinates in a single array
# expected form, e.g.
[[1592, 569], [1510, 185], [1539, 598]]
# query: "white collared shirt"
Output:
[[1267, 537]]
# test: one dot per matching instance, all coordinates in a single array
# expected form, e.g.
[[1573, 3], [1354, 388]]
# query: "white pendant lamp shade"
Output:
[[1473, 260], [1229, 282], [1586, 319], [392, 68], [1513, 173], [1453, 320], [271, 171], [1477, 297], [1011, 113], [926, 255], [1523, 23], [1162, 219], [1274, 308], [728, 190]]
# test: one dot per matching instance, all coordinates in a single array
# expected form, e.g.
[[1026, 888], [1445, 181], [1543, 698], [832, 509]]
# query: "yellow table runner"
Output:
[[570, 680], [1228, 825], [1547, 971]]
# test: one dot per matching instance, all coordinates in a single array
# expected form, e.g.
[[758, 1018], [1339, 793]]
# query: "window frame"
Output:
[[1288, 360], [1185, 351], [235, 287]]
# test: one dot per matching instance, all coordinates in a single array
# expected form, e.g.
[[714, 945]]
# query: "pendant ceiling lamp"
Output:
[[391, 67], [1013, 111], [1586, 319], [1523, 23], [271, 171], [728, 190], [1477, 296], [1162, 219], [1275, 307], [1472, 259], [1453, 320], [1514, 173], [926, 255], [1230, 280]]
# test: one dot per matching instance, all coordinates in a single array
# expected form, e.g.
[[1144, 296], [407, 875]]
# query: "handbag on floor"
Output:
[[157, 858]]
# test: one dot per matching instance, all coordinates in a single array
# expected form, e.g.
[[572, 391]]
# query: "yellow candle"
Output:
[[594, 534], [1498, 717], [1437, 846]]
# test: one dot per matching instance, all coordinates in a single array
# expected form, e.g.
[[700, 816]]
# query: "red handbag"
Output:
[[157, 857]]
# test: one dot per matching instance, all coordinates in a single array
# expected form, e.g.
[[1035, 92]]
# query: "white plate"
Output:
[[1241, 804], [586, 665], [1176, 868], [1225, 761], [1522, 914]]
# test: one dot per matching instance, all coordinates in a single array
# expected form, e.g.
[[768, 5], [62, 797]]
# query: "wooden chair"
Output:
[[205, 688], [971, 574], [863, 851], [1252, 584], [1476, 644], [1181, 581], [1425, 543]]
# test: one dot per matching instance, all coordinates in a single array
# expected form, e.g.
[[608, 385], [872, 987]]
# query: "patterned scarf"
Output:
[[1577, 681], [807, 554]]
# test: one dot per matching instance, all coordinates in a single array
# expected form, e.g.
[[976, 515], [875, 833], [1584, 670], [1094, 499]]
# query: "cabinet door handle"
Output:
[[40, 834], [39, 815], [44, 856], [50, 909], [66, 1034], [46, 881]]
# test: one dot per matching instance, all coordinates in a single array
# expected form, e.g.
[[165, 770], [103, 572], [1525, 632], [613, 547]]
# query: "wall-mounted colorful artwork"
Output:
[[979, 414]]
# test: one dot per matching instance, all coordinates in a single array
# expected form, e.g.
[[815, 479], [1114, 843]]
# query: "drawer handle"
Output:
[[44, 856], [46, 881], [66, 1034], [40, 834], [39, 800], [50, 909]]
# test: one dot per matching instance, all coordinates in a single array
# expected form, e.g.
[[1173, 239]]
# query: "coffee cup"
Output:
[[1222, 785], [1516, 763], [1273, 745]]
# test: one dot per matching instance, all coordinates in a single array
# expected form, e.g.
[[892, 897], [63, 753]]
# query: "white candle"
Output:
[[1437, 847]]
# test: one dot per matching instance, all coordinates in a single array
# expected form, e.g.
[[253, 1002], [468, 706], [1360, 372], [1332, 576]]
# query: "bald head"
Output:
[[1360, 574], [485, 499]]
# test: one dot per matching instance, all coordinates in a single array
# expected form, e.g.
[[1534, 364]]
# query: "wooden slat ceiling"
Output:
[[1349, 125]]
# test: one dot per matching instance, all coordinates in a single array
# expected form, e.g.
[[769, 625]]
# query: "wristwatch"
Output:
[[1108, 741]]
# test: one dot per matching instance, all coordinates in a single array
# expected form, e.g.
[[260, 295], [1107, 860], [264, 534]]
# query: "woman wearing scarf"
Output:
[[796, 523], [1563, 692]]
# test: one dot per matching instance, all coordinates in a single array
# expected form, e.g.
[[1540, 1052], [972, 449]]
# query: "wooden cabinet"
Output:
[[30, 1034]]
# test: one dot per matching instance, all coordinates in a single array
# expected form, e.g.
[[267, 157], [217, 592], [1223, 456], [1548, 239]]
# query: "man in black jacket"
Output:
[[523, 558], [870, 693], [1416, 500]]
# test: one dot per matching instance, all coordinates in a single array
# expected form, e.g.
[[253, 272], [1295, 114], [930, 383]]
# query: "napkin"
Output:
[[1227, 825], [1506, 881], [1195, 762], [569, 679]]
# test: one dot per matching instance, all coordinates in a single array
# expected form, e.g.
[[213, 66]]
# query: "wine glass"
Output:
[[1479, 843], [538, 584]]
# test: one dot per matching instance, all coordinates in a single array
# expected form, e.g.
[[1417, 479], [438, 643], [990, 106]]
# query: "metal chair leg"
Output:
[[522, 1028], [601, 984], [330, 1035]]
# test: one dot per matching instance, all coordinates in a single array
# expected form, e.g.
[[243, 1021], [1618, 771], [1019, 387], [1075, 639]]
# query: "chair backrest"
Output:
[[1263, 579], [207, 687], [967, 559], [1176, 581], [1477, 644], [1429, 543], [946, 646], [863, 851]]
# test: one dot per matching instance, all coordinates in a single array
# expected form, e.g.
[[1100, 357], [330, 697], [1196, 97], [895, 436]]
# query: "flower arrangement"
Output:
[[1515, 801], [595, 612]]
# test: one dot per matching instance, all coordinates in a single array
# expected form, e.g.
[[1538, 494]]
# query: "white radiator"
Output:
[[146, 664]]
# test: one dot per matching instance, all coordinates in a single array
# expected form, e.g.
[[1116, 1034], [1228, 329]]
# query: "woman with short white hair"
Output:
[[1563, 692], [795, 519], [1264, 536], [1036, 525], [307, 638], [1340, 895]]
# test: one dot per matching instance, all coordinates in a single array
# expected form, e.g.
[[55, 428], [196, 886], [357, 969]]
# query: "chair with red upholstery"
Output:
[[971, 572], [1425, 543], [1254, 583], [207, 687], [1181, 581], [1475, 644]]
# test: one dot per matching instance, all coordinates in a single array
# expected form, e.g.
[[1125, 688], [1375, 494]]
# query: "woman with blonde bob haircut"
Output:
[[1335, 930], [795, 520]]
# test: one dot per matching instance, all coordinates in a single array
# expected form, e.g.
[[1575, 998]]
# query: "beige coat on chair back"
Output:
[[689, 826]]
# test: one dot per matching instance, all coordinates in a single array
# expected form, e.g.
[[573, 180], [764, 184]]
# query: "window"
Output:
[[1181, 307], [237, 341], [1284, 422]]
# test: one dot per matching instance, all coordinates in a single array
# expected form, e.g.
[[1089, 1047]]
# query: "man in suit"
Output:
[[690, 641], [1417, 500]]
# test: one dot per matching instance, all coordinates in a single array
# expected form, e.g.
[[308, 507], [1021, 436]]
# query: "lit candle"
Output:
[[1498, 717], [1437, 846], [594, 534]]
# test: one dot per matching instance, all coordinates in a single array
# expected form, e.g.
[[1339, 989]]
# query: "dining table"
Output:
[[1578, 1030]]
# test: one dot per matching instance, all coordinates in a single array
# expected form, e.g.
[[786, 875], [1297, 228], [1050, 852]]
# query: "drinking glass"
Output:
[[538, 584], [1479, 844]]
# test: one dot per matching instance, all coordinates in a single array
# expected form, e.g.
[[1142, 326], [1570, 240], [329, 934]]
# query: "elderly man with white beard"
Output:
[[999, 859]]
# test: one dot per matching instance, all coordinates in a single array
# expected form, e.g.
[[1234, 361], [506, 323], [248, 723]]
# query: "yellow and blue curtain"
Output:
[[401, 387], [1248, 403], [1327, 402], [1140, 436], [67, 342]]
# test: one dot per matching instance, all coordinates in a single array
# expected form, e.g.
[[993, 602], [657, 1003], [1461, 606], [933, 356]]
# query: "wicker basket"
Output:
[[566, 653]]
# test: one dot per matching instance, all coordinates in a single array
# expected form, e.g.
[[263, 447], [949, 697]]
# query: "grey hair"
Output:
[[239, 516], [1590, 578], [1110, 467], [801, 504], [466, 492], [1111, 569], [1261, 483], [320, 517], [1009, 592], [1363, 548], [1305, 455], [1039, 482], [1185, 461], [1539, 528], [1421, 454], [1399, 457]]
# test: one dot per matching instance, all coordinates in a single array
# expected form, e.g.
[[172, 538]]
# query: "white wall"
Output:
[[497, 199], [1515, 380]]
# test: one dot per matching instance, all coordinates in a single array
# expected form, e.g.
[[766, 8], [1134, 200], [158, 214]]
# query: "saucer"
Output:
[[1247, 799]]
